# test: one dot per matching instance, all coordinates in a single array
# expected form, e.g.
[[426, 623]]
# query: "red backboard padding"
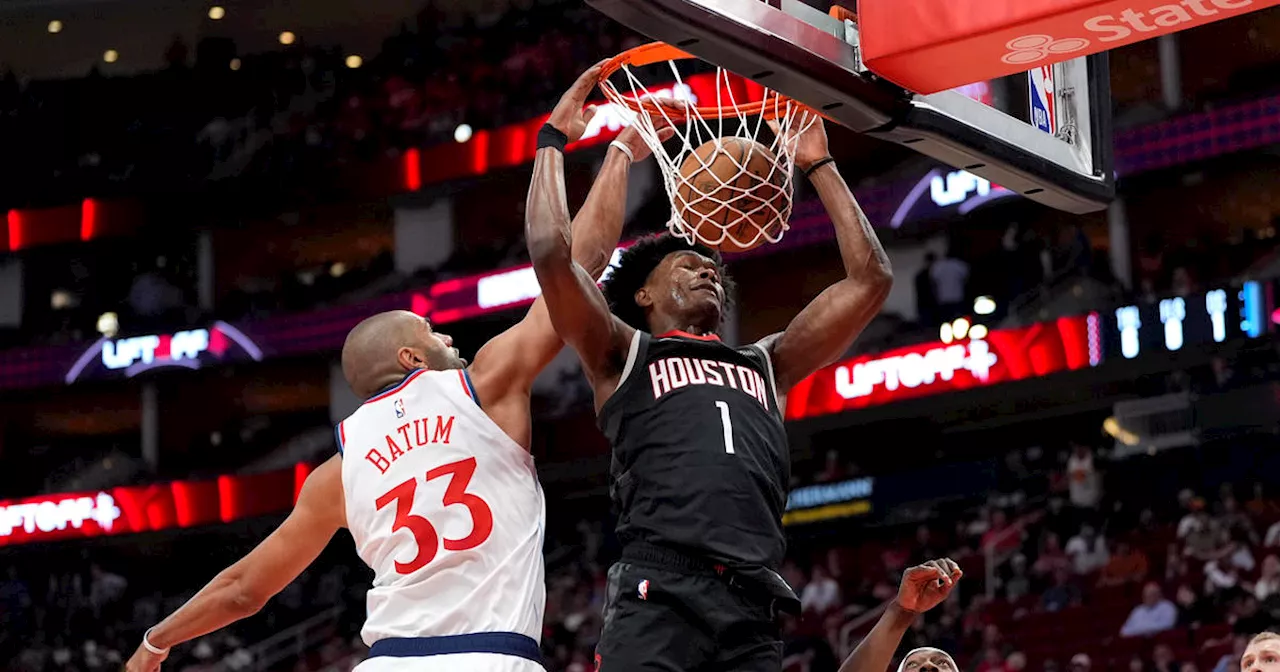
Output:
[[929, 46]]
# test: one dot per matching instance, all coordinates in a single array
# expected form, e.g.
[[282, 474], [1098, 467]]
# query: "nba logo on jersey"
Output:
[[1043, 109], [399, 406], [643, 589]]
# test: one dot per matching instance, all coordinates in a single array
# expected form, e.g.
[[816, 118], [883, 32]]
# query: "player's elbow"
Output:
[[243, 602], [547, 248]]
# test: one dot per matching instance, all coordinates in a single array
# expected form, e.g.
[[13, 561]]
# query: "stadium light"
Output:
[[287, 38], [984, 305], [946, 334], [55, 26], [960, 328], [111, 56], [977, 332], [108, 324], [216, 13], [354, 61], [235, 64], [462, 133]]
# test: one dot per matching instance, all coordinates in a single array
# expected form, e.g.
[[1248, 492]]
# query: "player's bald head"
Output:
[[383, 348]]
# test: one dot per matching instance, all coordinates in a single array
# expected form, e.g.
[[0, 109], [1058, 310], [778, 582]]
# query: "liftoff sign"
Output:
[[929, 46]]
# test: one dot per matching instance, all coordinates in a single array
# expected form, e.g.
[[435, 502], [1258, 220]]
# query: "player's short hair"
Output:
[[1263, 636], [637, 263]]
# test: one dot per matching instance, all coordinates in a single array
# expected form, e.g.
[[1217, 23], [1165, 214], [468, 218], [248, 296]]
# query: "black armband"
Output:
[[816, 165], [550, 136]]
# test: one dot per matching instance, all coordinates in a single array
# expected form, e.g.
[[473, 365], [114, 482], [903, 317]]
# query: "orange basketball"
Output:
[[731, 189]]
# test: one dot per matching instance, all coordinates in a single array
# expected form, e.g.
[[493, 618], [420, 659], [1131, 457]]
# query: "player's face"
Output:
[[1262, 657], [689, 284], [928, 660], [438, 348]]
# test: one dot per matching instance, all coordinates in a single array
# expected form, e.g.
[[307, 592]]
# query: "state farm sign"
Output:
[[929, 46], [934, 368]]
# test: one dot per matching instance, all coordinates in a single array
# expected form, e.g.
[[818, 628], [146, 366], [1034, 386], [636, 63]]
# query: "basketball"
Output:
[[731, 190]]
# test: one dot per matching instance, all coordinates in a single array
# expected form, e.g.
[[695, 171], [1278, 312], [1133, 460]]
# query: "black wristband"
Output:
[[816, 165], [550, 136]]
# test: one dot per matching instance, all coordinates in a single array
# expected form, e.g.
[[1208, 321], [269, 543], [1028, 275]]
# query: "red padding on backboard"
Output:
[[934, 45]]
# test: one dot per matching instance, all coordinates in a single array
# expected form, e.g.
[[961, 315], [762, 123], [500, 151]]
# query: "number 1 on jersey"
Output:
[[727, 425]]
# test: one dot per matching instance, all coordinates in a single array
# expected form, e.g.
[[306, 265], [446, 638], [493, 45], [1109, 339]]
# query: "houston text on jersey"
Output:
[[405, 440], [673, 373]]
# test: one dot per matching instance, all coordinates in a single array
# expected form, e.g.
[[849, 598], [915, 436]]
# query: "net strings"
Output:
[[698, 211]]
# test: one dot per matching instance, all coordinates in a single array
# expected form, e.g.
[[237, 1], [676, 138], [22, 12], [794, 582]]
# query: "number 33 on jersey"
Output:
[[446, 509]]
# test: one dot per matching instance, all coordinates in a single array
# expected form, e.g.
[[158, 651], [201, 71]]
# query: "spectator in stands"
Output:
[[1162, 659], [1002, 536], [1080, 663], [1084, 481], [1128, 565], [1154, 615], [1198, 531], [1268, 582], [1052, 557], [105, 588], [1236, 521], [1019, 583], [1193, 610], [1015, 662], [926, 297], [1088, 550], [1062, 594], [822, 592], [950, 276], [1238, 645]]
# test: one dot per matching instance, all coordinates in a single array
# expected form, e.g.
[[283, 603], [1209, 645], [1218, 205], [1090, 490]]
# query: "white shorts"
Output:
[[453, 662]]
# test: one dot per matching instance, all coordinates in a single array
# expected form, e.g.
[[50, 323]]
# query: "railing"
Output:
[[857, 624], [1156, 423], [289, 643]]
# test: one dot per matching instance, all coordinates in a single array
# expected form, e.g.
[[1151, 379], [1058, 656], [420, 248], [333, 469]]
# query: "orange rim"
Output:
[[658, 52]]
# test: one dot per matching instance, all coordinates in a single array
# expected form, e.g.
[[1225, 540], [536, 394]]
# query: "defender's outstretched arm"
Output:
[[242, 589], [923, 588], [576, 306]]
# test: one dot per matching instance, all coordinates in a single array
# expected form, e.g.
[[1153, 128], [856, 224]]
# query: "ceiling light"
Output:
[[216, 13], [462, 133], [287, 38], [235, 64], [945, 333], [960, 327], [984, 305], [977, 332], [111, 56], [55, 26], [108, 324], [354, 61]]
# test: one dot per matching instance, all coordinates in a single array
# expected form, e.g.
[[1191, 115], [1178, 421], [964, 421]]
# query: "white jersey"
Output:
[[447, 511]]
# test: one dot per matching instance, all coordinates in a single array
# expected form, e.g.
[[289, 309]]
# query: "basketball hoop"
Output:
[[719, 207]]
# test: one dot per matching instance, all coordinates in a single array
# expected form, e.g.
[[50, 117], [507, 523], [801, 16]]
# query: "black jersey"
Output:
[[700, 457]]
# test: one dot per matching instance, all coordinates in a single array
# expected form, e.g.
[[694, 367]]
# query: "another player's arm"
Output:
[[577, 309], [242, 589], [512, 360], [923, 587], [825, 329]]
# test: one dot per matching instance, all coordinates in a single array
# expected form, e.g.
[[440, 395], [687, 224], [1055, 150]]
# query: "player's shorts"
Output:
[[481, 652], [669, 619]]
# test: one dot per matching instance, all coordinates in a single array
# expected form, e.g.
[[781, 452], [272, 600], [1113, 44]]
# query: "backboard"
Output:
[[1045, 134]]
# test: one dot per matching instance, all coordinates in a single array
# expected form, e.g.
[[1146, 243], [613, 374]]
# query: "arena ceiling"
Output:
[[140, 31]]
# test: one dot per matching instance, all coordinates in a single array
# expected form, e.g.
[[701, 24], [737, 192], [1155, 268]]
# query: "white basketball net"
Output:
[[698, 209]]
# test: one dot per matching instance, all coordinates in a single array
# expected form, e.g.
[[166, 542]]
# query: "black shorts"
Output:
[[673, 620]]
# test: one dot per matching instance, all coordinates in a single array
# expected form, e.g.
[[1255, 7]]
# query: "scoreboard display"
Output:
[[1172, 323]]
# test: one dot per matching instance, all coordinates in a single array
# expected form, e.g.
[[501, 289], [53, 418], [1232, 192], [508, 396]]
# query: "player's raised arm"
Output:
[[825, 329], [242, 589], [512, 360], [577, 308], [923, 588]]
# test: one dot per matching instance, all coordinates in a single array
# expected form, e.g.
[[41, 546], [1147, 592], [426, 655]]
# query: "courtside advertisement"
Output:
[[149, 508], [1005, 355]]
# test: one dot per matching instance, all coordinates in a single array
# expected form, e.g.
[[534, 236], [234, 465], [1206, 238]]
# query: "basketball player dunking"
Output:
[[434, 481], [700, 458]]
